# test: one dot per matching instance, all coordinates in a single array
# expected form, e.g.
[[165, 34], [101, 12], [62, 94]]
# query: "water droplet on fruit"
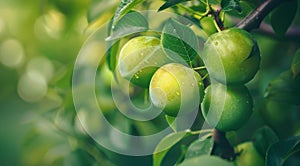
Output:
[[136, 76]]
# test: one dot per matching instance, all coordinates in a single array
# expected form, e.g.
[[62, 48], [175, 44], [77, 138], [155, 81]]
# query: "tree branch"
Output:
[[253, 20]]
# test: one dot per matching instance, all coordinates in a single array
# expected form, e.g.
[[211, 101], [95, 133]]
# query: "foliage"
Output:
[[40, 41]]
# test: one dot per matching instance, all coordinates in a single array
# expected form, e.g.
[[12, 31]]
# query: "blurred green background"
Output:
[[39, 39], [39, 42]]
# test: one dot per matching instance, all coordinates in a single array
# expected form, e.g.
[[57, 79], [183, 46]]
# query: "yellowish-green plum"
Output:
[[231, 56], [226, 107], [248, 155], [207, 24], [139, 58], [174, 87]]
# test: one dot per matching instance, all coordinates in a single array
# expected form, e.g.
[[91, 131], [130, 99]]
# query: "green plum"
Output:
[[231, 56], [248, 155], [139, 58], [207, 24], [174, 87], [227, 107]]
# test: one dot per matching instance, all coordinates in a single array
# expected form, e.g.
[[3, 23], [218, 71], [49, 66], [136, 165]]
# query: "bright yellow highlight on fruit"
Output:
[[176, 87], [139, 58]]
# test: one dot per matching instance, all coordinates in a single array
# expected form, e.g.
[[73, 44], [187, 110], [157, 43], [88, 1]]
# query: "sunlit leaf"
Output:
[[179, 41], [130, 23], [124, 7]]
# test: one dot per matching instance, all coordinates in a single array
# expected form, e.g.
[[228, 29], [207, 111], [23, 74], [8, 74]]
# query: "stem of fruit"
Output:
[[199, 68], [221, 146], [217, 19], [253, 20]]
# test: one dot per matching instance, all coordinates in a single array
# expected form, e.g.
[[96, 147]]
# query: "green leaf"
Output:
[[166, 144], [280, 151], [295, 67], [111, 55], [263, 138], [282, 17], [170, 3], [200, 147], [206, 160], [228, 5], [124, 7], [130, 23], [171, 123], [284, 88], [96, 8], [179, 40]]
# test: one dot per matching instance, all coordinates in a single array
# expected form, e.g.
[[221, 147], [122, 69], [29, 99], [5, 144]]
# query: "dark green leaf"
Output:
[[228, 5], [263, 138], [111, 54], [280, 151], [283, 16], [124, 7], [295, 67], [130, 23], [206, 160], [170, 3], [245, 9], [165, 145], [96, 8], [179, 41], [284, 88], [200, 147]]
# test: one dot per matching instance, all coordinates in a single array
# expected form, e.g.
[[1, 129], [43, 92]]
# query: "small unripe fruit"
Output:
[[231, 56], [248, 155], [139, 58], [175, 87], [207, 24], [226, 107]]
